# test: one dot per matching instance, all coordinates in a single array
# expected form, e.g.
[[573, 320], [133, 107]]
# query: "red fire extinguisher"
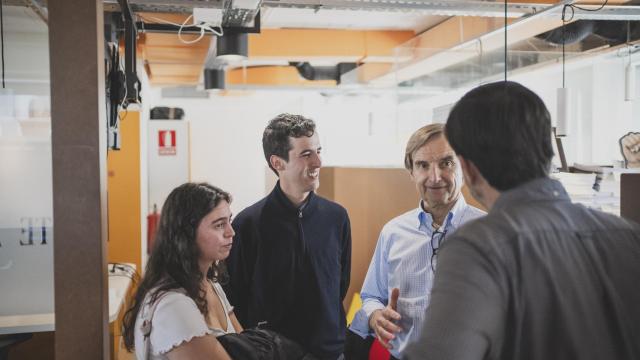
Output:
[[152, 226]]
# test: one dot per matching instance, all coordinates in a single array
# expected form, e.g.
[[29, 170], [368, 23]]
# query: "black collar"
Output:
[[308, 206]]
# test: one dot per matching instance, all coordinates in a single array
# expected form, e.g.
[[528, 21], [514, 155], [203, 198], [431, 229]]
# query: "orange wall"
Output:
[[123, 194], [123, 206]]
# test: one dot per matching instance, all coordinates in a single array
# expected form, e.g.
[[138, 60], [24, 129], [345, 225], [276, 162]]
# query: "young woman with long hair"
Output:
[[179, 308]]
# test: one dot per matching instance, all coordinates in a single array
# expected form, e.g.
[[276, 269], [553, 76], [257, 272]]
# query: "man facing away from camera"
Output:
[[539, 277]]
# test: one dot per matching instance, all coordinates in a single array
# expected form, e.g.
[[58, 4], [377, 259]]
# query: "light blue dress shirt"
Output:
[[402, 259]]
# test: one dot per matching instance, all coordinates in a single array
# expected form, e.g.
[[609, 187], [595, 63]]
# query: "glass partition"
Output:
[[26, 223]]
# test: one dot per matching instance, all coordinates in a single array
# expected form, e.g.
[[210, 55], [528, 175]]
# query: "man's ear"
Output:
[[470, 171], [277, 162]]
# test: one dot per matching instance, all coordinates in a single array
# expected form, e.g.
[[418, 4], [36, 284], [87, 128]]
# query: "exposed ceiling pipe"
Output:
[[572, 33], [618, 31], [311, 72]]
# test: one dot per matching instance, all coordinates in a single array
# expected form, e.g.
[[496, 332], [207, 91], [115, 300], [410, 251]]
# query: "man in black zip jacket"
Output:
[[291, 257]]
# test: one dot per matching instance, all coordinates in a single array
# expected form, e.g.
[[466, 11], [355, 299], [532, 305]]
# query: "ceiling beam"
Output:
[[439, 8], [326, 45], [271, 76]]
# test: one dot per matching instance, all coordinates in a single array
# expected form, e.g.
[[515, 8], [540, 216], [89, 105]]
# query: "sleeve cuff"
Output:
[[371, 305]]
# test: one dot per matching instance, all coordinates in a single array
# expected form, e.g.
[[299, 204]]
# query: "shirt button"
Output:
[[555, 193]]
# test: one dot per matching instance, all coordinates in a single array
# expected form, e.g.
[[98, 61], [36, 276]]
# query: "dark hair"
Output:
[[275, 139], [173, 263], [505, 130]]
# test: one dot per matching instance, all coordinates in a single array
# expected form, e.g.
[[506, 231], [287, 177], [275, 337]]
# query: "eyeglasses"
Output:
[[436, 239]]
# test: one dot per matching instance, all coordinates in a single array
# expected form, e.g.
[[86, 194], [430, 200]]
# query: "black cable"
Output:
[[585, 9], [2, 42], [574, 7], [564, 9], [564, 25]]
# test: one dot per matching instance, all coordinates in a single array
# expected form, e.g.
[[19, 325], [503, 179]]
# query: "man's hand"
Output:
[[630, 147], [382, 321]]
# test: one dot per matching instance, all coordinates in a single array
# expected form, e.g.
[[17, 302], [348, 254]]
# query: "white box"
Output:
[[209, 16]]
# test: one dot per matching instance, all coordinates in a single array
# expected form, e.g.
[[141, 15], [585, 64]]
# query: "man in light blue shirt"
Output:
[[406, 253]]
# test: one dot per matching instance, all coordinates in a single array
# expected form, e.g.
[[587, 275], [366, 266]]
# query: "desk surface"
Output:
[[119, 282]]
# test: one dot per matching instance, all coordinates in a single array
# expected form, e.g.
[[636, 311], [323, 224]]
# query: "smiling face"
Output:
[[302, 172], [437, 174], [214, 235]]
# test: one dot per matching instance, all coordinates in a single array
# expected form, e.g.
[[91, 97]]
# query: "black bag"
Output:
[[166, 113], [262, 344]]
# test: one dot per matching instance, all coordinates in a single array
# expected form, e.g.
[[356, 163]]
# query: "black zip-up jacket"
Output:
[[290, 267]]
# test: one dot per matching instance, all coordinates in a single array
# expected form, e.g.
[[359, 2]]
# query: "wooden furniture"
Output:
[[8, 341], [372, 197]]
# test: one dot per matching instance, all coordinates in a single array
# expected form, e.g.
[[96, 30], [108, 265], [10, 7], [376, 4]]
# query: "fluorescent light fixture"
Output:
[[563, 114]]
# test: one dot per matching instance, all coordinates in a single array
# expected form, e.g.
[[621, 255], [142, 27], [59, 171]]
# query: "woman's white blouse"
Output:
[[176, 320]]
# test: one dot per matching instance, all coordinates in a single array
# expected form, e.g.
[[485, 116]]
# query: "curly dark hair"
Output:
[[173, 263], [275, 139]]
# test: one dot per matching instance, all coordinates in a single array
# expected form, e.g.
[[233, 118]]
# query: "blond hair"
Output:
[[419, 139]]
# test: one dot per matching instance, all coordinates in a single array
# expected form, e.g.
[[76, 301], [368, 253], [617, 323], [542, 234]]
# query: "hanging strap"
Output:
[[146, 327]]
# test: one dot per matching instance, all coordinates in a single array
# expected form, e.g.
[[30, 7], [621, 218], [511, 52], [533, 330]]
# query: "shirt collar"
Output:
[[307, 205], [543, 188], [452, 220]]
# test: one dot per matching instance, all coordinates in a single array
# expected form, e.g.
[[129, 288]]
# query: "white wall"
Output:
[[166, 170], [600, 113], [226, 147]]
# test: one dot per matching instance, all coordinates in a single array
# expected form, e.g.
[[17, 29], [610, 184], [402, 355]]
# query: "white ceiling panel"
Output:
[[273, 18]]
